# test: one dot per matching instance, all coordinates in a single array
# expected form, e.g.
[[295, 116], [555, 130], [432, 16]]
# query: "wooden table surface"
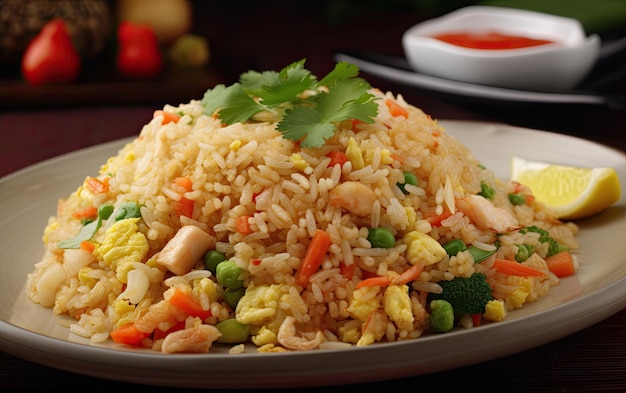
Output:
[[39, 124]]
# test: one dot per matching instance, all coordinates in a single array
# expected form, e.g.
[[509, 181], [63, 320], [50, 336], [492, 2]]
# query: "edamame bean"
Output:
[[228, 273], [233, 332], [381, 238]]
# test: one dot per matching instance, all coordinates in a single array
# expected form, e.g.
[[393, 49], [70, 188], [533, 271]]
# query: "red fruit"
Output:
[[139, 55], [50, 57]]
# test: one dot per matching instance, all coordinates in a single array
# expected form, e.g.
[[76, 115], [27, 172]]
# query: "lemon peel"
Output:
[[571, 192]]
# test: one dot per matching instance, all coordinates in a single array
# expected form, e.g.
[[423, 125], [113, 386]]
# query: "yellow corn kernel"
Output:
[[298, 162]]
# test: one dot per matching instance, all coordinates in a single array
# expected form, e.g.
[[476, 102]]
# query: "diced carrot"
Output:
[[158, 333], [407, 276], [242, 225], [435, 220], [184, 207], [561, 264], [378, 281], [128, 334], [347, 271], [168, 117], [337, 157], [513, 268], [184, 182], [411, 273], [355, 122], [189, 305], [320, 243], [97, 186], [395, 109], [86, 212], [396, 157], [88, 246]]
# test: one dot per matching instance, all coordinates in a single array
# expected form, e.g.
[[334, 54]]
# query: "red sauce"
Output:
[[490, 40]]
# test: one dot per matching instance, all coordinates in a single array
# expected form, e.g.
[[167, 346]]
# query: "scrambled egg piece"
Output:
[[207, 286], [518, 297], [258, 305], [123, 244], [235, 145], [421, 247], [398, 306], [363, 304], [495, 311], [354, 154], [265, 336]]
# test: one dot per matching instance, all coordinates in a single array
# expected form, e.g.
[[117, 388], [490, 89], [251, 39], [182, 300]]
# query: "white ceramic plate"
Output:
[[31, 332]]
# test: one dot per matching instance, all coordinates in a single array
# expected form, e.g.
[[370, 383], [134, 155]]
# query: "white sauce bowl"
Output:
[[549, 67]]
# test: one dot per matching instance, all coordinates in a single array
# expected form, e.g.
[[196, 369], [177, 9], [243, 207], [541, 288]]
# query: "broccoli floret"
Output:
[[467, 295], [544, 237]]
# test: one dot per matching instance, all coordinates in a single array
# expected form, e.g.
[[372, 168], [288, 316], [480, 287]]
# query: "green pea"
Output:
[[441, 316], [127, 210], [233, 332], [228, 273], [409, 178], [232, 296], [487, 191], [212, 258], [523, 252], [381, 238], [454, 247], [517, 199]]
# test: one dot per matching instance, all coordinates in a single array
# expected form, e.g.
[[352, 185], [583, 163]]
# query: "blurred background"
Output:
[[202, 43]]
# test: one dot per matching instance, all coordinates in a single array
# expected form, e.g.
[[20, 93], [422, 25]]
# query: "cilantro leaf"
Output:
[[253, 81], [232, 104], [311, 119], [303, 121], [341, 71], [291, 82], [347, 99]]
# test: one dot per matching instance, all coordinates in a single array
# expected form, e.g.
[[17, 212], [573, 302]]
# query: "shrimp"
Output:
[[354, 197], [288, 339], [195, 339], [162, 315], [485, 215], [373, 328]]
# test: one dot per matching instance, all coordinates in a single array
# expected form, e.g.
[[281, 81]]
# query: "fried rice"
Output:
[[258, 199]]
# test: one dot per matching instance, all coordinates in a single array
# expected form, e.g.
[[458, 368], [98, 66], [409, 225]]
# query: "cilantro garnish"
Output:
[[306, 109]]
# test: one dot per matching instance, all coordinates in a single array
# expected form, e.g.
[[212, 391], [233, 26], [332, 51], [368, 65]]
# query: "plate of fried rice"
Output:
[[288, 231]]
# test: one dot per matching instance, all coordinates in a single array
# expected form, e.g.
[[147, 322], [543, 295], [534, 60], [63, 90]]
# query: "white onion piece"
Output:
[[48, 284], [74, 259], [136, 287]]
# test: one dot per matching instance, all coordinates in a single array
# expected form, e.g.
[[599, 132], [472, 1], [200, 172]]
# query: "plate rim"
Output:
[[14, 339]]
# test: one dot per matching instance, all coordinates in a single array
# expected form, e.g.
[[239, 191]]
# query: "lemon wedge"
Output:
[[571, 192]]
